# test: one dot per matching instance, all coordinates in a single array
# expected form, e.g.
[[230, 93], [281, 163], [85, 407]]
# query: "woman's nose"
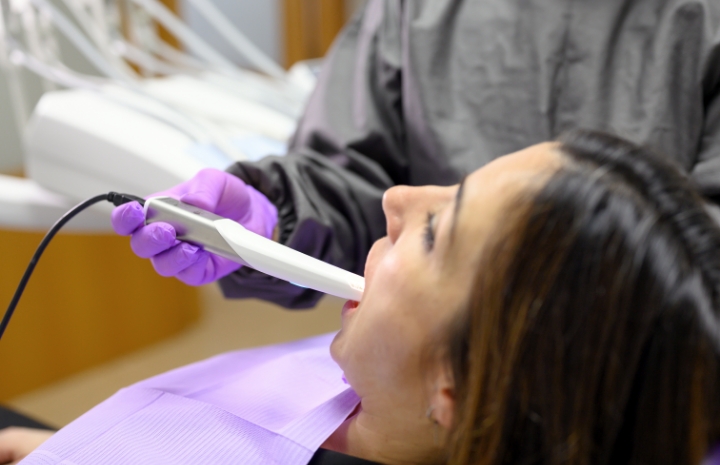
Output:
[[405, 204], [392, 204]]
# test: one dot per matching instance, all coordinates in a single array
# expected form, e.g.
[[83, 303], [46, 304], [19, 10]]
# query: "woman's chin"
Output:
[[350, 307]]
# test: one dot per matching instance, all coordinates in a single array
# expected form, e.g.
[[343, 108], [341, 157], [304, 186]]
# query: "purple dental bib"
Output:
[[270, 405]]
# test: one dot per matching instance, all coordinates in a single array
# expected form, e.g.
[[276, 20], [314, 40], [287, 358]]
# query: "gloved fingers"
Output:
[[126, 218], [176, 259], [218, 192], [199, 182], [206, 270], [263, 217], [152, 239], [227, 195]]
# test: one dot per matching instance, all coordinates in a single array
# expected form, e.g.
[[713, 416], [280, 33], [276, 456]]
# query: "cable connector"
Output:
[[120, 199]]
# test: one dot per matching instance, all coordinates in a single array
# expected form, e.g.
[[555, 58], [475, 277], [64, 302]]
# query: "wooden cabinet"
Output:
[[310, 26], [89, 300]]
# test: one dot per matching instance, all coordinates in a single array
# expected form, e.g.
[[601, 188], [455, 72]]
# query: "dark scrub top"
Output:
[[422, 92]]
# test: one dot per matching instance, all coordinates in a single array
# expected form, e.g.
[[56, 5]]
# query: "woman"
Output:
[[559, 306]]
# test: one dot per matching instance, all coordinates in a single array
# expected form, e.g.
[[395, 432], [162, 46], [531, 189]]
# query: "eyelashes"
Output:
[[429, 233]]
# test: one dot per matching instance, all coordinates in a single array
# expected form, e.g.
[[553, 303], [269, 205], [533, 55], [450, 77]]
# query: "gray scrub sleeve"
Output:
[[347, 151], [706, 171]]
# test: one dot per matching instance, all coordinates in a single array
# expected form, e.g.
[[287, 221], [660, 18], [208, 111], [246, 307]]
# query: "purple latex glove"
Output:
[[212, 190]]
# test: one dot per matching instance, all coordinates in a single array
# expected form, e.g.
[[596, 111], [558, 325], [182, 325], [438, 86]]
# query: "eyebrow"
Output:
[[456, 210]]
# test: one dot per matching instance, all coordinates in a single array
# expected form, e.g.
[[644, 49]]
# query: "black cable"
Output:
[[114, 197]]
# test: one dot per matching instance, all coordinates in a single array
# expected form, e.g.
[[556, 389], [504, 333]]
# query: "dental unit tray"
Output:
[[226, 238]]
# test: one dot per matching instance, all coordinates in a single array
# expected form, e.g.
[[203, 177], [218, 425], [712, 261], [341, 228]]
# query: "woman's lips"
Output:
[[349, 307]]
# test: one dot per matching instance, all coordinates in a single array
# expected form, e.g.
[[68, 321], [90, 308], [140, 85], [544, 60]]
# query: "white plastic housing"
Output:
[[226, 238], [80, 144]]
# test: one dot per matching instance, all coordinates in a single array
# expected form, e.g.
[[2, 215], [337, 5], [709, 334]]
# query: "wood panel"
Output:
[[90, 300], [310, 26], [164, 33]]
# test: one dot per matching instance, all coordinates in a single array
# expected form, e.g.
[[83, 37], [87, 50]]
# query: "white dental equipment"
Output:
[[124, 150], [132, 134], [231, 240]]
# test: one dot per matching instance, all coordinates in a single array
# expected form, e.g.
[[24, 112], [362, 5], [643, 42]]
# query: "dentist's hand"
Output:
[[212, 190]]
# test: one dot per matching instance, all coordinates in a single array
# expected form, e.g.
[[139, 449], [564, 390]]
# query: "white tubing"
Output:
[[146, 60], [175, 56], [79, 41], [63, 77], [15, 87], [135, 98], [180, 30], [237, 39], [99, 37], [128, 98]]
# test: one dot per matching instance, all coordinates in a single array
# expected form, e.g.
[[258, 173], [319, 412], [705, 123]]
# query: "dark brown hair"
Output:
[[591, 335]]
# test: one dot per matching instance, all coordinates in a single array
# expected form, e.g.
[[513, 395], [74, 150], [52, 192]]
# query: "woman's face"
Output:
[[419, 275]]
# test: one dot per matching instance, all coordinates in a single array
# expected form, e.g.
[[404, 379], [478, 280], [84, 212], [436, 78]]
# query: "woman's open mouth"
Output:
[[349, 307]]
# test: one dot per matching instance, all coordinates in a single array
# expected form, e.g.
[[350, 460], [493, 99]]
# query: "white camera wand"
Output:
[[231, 240]]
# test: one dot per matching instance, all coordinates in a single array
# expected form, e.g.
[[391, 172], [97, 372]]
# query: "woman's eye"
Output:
[[429, 235]]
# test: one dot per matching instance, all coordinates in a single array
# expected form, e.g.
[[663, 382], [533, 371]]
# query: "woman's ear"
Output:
[[443, 399]]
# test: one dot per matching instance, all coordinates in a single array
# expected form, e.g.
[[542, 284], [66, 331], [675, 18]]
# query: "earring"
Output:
[[436, 424], [428, 414]]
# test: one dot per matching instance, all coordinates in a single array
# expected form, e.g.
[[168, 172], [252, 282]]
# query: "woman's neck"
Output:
[[381, 438]]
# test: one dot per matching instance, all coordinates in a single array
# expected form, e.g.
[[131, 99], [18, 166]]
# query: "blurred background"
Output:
[[94, 317]]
